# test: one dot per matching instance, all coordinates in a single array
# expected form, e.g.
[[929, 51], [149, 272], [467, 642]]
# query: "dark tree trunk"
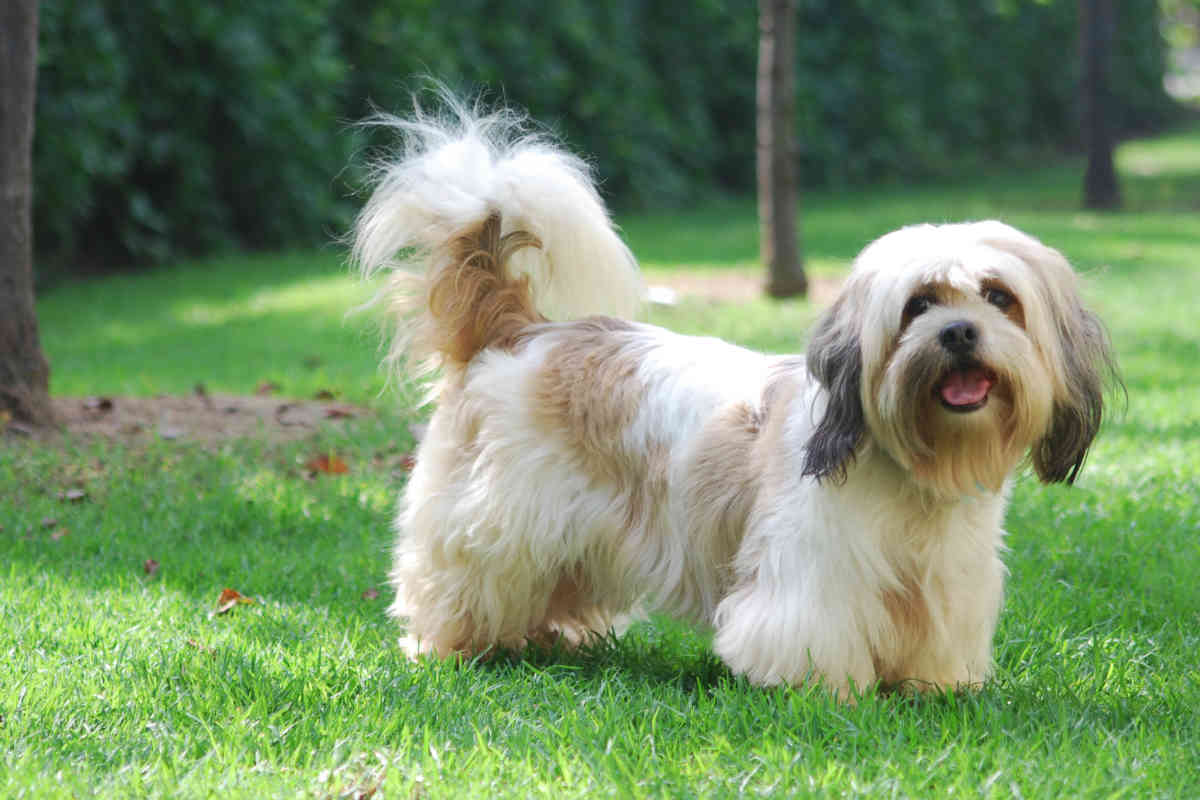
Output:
[[24, 374], [1100, 188], [778, 239]]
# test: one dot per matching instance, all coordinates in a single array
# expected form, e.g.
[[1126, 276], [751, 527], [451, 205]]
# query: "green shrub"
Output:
[[180, 127], [169, 127]]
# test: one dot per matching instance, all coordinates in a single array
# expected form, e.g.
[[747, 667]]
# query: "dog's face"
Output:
[[958, 349]]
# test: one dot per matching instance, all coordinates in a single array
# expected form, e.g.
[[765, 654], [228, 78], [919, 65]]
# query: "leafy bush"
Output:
[[168, 127]]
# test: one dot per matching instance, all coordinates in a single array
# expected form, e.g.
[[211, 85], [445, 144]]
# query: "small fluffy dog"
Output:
[[834, 517]]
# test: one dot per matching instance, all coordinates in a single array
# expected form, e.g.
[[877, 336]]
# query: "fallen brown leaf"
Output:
[[408, 462], [266, 387], [370, 594], [324, 394], [330, 464], [150, 567], [230, 598], [340, 412], [59, 534]]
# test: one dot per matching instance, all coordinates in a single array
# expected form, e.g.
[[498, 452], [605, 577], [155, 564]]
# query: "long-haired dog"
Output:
[[834, 517]]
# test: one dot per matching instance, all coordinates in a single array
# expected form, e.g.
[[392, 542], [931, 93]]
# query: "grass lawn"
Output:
[[117, 680]]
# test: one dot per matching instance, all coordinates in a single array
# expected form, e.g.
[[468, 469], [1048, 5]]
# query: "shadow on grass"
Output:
[[660, 651]]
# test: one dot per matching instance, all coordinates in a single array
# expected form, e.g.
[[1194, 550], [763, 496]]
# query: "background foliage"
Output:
[[183, 126]]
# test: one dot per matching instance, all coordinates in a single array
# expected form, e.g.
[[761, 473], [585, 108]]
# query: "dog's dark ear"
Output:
[[835, 360], [1088, 367]]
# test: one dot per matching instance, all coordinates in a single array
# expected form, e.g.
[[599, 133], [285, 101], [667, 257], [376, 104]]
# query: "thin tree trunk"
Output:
[[1100, 187], [24, 374], [779, 242]]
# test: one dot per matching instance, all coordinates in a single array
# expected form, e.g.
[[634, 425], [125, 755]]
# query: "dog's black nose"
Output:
[[959, 337]]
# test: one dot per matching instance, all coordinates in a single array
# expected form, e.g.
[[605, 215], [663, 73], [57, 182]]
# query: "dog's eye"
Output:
[[999, 298], [916, 306]]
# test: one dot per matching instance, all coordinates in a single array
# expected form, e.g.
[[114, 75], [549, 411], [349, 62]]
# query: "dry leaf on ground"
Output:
[[230, 598], [330, 464], [150, 566]]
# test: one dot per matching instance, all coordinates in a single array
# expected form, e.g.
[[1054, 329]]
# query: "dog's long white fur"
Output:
[[574, 470]]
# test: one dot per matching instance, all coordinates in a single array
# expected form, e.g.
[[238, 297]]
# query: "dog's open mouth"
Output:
[[966, 388]]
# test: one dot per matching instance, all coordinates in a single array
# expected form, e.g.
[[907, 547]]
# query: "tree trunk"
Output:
[[24, 374], [778, 239], [1100, 188]]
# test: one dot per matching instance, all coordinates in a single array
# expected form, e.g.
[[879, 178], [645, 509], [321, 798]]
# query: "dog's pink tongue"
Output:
[[965, 387]]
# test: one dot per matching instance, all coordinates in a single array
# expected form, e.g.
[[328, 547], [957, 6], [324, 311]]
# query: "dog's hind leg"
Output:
[[459, 595]]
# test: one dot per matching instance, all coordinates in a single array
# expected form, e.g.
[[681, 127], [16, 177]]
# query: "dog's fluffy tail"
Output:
[[484, 229]]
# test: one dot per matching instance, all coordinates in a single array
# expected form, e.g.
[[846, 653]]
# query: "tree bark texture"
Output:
[[24, 373], [779, 243], [1100, 187]]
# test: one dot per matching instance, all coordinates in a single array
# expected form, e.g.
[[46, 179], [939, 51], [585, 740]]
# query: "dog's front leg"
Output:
[[793, 633]]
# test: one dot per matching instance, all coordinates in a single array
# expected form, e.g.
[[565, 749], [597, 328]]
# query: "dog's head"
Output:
[[958, 349]]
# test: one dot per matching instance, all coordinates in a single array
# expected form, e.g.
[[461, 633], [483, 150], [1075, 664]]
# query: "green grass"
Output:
[[118, 683]]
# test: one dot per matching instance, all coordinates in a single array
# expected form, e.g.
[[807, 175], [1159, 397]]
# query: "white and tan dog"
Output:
[[835, 517]]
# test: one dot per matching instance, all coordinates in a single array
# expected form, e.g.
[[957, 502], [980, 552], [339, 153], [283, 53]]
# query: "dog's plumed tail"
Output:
[[485, 228]]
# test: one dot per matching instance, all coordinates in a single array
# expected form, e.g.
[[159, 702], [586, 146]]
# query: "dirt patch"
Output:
[[197, 417], [741, 286]]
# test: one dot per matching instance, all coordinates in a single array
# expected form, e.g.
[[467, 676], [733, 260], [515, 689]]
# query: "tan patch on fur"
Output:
[[909, 611], [587, 394], [647, 495], [572, 615], [473, 303], [731, 459], [567, 596], [726, 480]]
